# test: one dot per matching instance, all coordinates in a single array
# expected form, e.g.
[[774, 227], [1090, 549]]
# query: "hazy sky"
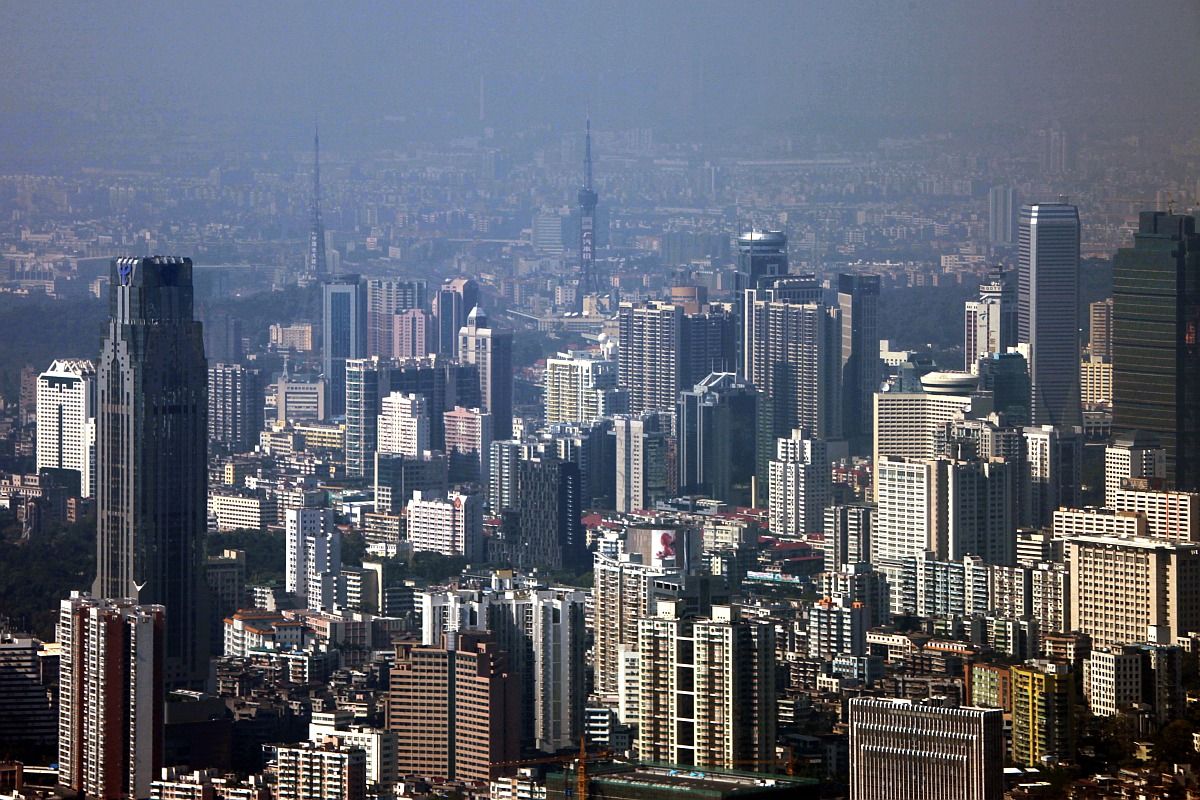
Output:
[[273, 65]]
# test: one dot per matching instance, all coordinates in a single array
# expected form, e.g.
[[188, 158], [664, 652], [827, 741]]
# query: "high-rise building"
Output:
[[643, 472], [837, 626], [717, 453], [110, 676], [455, 707], [451, 525], [542, 632], [589, 281], [1156, 341], [592, 448], [544, 530], [581, 386], [900, 750], [1002, 215], [913, 424], [792, 355], [388, 298], [546, 232], [468, 444], [151, 456], [235, 407], [1053, 458], [706, 688], [990, 326], [861, 369], [313, 557], [66, 420], [27, 715], [451, 304], [1043, 724], [299, 400], [326, 770], [398, 477], [316, 262], [403, 426], [362, 399], [847, 538], [707, 343], [761, 255], [800, 485], [412, 334], [1100, 329], [343, 336], [648, 356], [859, 582], [1129, 590], [490, 350], [1048, 310]]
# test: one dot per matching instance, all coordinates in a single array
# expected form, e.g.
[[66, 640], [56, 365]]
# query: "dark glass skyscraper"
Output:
[[761, 254], [858, 298], [1156, 340], [1048, 310], [344, 336], [718, 433], [151, 456]]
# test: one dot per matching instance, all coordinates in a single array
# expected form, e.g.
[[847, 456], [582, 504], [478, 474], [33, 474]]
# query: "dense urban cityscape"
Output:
[[583, 460]]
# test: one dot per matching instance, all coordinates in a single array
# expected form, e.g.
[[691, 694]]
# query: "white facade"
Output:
[[450, 525], [403, 425], [800, 485], [641, 460], [66, 411], [1112, 680], [314, 556], [903, 527], [580, 386]]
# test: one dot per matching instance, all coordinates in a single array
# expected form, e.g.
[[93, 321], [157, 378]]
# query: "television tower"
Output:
[[587, 226], [316, 237]]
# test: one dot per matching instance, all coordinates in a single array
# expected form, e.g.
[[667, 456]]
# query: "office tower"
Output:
[[837, 626], [792, 355], [468, 444], [490, 350], [1002, 215], [543, 634], [325, 770], [643, 474], [546, 232], [847, 531], [1132, 455], [317, 263], [362, 399], [706, 688], [544, 530], [387, 298], [1006, 376], [451, 524], [904, 491], [901, 750], [1128, 590], [1054, 459], [451, 304], [861, 369], [648, 356], [707, 344], [717, 453], [412, 334], [151, 456], [913, 424], [110, 703], [403, 425], [66, 420], [593, 449], [299, 401], [1048, 310], [343, 336], [761, 255], [1043, 725], [1100, 329], [581, 386], [398, 477], [455, 708], [990, 326], [27, 715], [313, 556], [225, 575], [589, 281], [1156, 348], [800, 485], [235, 407]]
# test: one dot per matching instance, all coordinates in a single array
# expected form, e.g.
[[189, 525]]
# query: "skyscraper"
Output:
[[642, 470], [761, 255], [588, 280], [1100, 328], [317, 266], [1002, 215], [313, 556], [110, 706], [990, 326], [151, 455], [403, 427], [451, 304], [1156, 340], [545, 530], [799, 485], [388, 298], [66, 420], [718, 434], [490, 350], [581, 386], [235, 407], [648, 357], [1048, 310], [858, 299], [344, 336]]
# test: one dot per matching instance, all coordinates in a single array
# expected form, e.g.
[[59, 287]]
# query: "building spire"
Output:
[[316, 239], [587, 155]]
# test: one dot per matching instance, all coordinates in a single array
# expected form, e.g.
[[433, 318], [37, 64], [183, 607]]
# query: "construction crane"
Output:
[[581, 759]]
